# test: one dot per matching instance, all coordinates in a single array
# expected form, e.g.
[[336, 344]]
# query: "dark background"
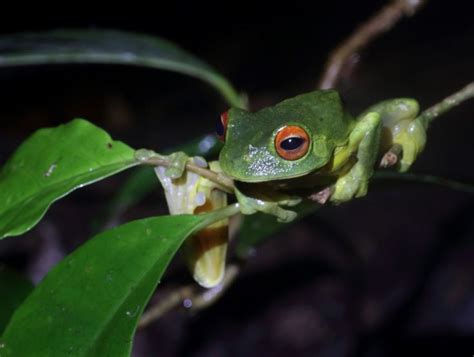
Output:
[[389, 274]]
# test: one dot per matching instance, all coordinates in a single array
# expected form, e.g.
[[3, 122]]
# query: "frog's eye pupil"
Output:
[[292, 142], [221, 126]]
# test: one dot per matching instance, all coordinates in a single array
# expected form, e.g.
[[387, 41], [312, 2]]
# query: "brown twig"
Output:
[[168, 303], [428, 115], [381, 22], [191, 297], [224, 182]]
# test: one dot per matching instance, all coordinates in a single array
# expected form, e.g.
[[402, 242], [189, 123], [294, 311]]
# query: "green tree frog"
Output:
[[310, 146], [306, 146]]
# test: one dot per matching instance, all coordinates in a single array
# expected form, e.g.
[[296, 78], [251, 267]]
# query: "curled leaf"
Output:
[[206, 250]]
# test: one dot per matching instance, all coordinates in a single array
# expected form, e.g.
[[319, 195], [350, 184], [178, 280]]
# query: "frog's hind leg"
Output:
[[364, 141], [401, 127]]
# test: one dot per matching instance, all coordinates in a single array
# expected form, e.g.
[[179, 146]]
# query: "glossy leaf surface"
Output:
[[14, 288], [50, 164], [90, 303], [110, 47]]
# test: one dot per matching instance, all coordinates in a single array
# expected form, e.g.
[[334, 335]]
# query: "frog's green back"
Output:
[[249, 152]]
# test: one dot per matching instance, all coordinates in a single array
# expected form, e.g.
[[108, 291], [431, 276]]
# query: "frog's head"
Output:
[[291, 139]]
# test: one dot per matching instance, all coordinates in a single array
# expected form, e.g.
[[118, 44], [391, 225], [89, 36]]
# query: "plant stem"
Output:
[[192, 297], [418, 178], [224, 182], [384, 20], [428, 115]]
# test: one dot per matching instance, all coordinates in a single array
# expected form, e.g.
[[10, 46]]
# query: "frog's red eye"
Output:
[[221, 126], [292, 142]]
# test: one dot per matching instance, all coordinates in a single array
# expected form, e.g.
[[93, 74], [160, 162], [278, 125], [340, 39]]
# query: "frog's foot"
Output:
[[364, 139], [411, 136], [352, 185], [401, 127], [322, 196], [177, 164], [176, 161], [250, 205]]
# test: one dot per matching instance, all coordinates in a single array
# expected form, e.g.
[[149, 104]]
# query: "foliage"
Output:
[[91, 302]]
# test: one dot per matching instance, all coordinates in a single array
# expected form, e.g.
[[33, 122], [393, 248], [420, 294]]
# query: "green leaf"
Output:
[[90, 303], [110, 47], [52, 163], [14, 288]]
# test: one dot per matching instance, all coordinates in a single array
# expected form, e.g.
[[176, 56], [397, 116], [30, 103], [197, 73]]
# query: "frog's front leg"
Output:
[[251, 205], [401, 127], [176, 161], [364, 140]]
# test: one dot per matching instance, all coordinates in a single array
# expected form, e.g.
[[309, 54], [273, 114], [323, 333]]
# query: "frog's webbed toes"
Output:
[[404, 129], [176, 161], [250, 205], [177, 165], [352, 185], [412, 138], [282, 215]]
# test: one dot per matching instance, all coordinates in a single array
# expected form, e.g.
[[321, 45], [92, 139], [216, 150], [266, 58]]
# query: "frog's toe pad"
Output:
[[347, 188], [285, 216]]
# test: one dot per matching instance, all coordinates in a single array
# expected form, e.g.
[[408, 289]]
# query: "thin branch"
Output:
[[381, 22], [191, 297], [208, 297], [224, 182], [392, 156], [168, 303], [446, 104], [419, 178]]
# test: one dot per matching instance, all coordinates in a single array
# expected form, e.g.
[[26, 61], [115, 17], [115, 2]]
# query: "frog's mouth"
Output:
[[267, 176], [302, 185]]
